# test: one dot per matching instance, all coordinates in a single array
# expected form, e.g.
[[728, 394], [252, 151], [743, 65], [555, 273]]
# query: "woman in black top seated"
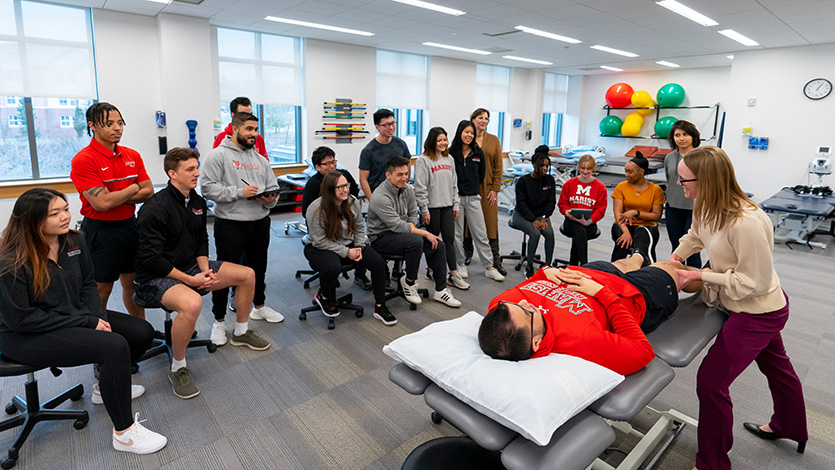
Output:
[[51, 314], [536, 198], [336, 238]]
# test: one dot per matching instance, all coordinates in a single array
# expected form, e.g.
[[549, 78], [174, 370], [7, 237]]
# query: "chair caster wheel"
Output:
[[134, 368], [298, 275], [76, 397], [360, 313], [11, 409], [80, 423], [302, 316], [412, 307], [211, 347], [331, 324], [436, 417], [8, 463], [518, 268]]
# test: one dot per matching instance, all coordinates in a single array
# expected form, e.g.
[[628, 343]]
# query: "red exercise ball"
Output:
[[619, 95]]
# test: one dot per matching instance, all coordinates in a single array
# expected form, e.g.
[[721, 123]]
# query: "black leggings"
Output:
[[640, 240], [329, 264], [442, 223], [580, 235], [76, 346]]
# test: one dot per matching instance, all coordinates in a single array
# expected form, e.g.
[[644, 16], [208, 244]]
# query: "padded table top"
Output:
[[788, 201], [680, 338]]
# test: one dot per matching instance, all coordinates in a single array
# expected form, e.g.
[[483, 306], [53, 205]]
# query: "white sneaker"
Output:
[[218, 335], [266, 313], [494, 274], [445, 297], [462, 271], [135, 391], [455, 280], [410, 292], [139, 439]]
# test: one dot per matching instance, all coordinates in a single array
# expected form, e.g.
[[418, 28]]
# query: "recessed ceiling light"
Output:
[[614, 51], [318, 26], [456, 48], [548, 35], [730, 56], [432, 6], [687, 12], [523, 59], [667, 64], [744, 40], [161, 1], [613, 69]]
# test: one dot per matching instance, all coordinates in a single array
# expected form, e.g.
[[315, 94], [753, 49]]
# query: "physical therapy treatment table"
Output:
[[800, 215], [578, 443]]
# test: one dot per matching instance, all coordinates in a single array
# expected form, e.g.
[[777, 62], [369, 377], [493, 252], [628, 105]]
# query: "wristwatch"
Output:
[[637, 213]]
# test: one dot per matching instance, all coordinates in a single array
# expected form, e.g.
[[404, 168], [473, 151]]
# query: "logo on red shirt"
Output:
[[131, 164]]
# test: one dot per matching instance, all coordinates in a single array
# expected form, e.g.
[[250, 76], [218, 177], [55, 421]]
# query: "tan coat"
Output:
[[494, 167]]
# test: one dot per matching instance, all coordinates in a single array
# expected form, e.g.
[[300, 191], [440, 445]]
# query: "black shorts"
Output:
[[655, 284], [112, 245], [151, 292]]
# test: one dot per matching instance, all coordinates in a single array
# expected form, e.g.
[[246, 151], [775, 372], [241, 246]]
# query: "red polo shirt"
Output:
[[604, 329], [95, 165], [259, 141]]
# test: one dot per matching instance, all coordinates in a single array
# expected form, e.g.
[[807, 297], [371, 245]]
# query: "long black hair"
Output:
[[457, 146]]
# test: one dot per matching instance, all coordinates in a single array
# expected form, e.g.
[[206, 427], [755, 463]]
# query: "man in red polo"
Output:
[[111, 180], [241, 104]]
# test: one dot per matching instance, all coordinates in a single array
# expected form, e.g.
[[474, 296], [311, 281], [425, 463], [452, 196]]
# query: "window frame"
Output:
[[547, 123]]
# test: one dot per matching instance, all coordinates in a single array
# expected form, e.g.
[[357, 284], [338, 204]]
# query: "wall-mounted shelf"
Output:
[[658, 116]]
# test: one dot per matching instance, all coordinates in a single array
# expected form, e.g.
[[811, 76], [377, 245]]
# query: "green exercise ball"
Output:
[[671, 94], [610, 125], [664, 125]]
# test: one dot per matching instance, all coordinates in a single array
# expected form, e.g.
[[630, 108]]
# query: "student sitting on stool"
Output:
[[536, 198]]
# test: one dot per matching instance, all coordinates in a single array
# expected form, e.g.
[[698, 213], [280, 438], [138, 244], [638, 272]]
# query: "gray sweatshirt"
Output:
[[222, 174], [675, 193], [436, 183], [316, 226], [392, 210]]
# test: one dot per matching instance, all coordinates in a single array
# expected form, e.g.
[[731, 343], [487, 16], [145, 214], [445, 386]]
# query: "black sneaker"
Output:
[[328, 306], [363, 282], [500, 269], [641, 245], [468, 259], [529, 271], [381, 312]]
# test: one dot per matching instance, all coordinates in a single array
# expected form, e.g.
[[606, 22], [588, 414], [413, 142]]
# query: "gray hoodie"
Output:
[[222, 175], [436, 183], [319, 239], [391, 210]]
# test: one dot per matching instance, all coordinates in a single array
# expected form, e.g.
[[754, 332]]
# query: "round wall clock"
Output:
[[817, 89]]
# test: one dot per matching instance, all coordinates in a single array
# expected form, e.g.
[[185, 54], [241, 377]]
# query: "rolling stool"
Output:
[[452, 453], [32, 411], [520, 255], [396, 273], [164, 347], [563, 262], [343, 302], [313, 274]]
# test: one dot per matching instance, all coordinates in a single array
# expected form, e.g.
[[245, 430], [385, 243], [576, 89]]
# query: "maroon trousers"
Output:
[[746, 338]]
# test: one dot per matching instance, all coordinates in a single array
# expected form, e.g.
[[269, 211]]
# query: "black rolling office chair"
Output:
[[343, 303], [562, 231], [31, 410], [520, 255], [312, 274]]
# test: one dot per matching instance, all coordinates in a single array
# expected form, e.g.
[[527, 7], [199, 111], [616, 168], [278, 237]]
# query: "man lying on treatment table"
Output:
[[599, 312]]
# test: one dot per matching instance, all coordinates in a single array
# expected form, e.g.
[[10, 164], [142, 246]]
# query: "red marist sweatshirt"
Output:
[[604, 329], [578, 195]]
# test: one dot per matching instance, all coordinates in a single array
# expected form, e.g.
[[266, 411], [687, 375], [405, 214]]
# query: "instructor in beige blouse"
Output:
[[490, 187]]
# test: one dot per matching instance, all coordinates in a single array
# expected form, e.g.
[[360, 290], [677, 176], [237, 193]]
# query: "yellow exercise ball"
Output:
[[632, 125], [642, 99]]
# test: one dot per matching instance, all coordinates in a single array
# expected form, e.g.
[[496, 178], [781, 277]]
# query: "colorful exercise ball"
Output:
[[642, 99], [619, 95], [664, 125], [632, 125], [610, 125], [671, 94]]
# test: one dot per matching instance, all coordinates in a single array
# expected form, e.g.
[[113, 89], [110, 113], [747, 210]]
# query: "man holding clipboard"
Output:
[[244, 189]]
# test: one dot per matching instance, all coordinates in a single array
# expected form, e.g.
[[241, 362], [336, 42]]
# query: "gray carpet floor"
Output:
[[320, 399]]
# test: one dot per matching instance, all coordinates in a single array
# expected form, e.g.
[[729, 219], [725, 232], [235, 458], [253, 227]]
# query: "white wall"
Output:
[[794, 124], [526, 92], [334, 70], [702, 87], [451, 93]]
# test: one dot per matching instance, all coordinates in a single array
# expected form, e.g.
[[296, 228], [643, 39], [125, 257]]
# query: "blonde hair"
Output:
[[720, 200], [587, 159]]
